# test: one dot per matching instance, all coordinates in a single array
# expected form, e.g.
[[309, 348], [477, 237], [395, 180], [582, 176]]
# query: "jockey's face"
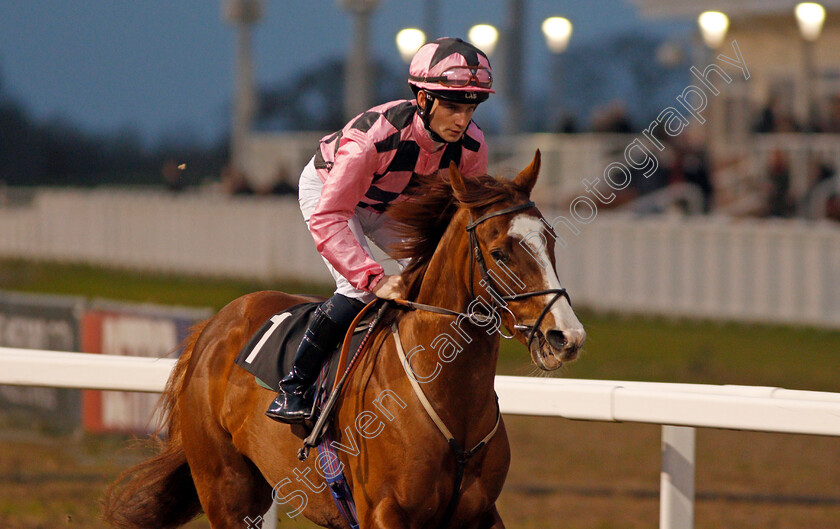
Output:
[[447, 119]]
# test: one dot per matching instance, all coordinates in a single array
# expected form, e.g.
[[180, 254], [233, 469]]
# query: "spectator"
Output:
[[172, 175], [776, 117], [235, 183], [819, 189], [832, 207], [612, 118], [280, 185], [565, 124], [690, 165], [778, 197], [832, 121]]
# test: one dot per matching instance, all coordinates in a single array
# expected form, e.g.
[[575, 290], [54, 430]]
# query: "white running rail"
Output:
[[680, 408]]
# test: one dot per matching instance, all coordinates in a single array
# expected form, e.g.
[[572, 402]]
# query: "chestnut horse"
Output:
[[479, 249]]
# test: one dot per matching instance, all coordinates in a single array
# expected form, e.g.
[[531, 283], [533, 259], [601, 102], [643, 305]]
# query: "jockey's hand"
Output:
[[389, 287]]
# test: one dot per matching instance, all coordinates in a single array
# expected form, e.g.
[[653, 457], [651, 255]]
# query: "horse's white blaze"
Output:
[[523, 227]]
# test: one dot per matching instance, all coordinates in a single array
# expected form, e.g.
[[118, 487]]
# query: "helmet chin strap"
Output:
[[426, 115]]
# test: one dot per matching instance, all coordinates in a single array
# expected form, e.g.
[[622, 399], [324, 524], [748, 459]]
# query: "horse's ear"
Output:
[[528, 177], [456, 179]]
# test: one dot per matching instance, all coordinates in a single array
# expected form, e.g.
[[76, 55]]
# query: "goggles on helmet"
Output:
[[460, 77]]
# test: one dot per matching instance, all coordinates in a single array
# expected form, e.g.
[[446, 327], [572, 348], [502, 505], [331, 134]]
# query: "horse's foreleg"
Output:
[[386, 515], [490, 520]]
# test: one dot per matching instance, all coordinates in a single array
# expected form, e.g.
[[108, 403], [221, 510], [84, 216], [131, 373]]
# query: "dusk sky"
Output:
[[166, 67]]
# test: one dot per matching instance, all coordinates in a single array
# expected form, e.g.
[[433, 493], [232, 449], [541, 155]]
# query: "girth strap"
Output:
[[461, 456]]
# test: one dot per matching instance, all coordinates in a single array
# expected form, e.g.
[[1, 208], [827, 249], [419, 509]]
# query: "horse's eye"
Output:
[[499, 255]]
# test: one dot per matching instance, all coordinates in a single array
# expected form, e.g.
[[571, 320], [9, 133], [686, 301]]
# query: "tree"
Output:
[[314, 99], [624, 68], [58, 152]]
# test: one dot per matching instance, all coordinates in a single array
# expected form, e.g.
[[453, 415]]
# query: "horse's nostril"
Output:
[[556, 339]]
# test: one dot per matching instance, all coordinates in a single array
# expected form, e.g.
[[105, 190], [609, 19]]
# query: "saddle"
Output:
[[270, 352], [269, 355]]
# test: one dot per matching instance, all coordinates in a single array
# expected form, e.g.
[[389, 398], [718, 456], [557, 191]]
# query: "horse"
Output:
[[482, 257]]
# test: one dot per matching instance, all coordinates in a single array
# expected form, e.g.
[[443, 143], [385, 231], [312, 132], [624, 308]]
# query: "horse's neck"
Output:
[[446, 280], [467, 379], [455, 362]]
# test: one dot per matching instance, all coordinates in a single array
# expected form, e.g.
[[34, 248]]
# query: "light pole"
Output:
[[243, 14], [557, 32], [512, 64], [409, 40], [809, 17], [484, 37], [431, 14], [357, 85], [713, 27]]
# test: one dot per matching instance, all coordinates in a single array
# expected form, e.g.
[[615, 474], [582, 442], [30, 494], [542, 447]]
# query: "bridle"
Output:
[[462, 456], [497, 300], [477, 255]]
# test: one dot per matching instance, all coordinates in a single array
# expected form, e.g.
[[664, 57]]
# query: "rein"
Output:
[[477, 256], [324, 419]]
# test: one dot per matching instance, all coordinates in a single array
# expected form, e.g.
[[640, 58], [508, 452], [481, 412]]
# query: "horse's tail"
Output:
[[159, 492]]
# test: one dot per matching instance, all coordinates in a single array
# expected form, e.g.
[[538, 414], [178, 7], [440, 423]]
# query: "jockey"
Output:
[[359, 171]]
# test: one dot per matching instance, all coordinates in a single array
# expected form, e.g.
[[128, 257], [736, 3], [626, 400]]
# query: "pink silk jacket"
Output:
[[369, 164]]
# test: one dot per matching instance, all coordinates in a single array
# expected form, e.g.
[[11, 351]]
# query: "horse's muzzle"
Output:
[[552, 349]]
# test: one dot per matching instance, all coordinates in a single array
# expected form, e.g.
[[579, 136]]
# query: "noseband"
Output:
[[477, 256], [488, 282]]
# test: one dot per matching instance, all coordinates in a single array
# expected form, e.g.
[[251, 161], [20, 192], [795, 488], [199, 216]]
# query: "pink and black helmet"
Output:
[[451, 69]]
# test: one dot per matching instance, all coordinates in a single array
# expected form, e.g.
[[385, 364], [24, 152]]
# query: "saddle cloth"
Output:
[[270, 352]]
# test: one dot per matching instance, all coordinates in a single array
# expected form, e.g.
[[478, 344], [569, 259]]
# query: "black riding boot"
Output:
[[327, 326]]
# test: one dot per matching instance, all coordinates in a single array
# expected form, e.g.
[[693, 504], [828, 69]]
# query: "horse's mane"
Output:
[[422, 220]]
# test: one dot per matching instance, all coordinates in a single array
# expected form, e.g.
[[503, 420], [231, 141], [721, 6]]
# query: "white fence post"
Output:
[[270, 517], [676, 503], [755, 408]]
